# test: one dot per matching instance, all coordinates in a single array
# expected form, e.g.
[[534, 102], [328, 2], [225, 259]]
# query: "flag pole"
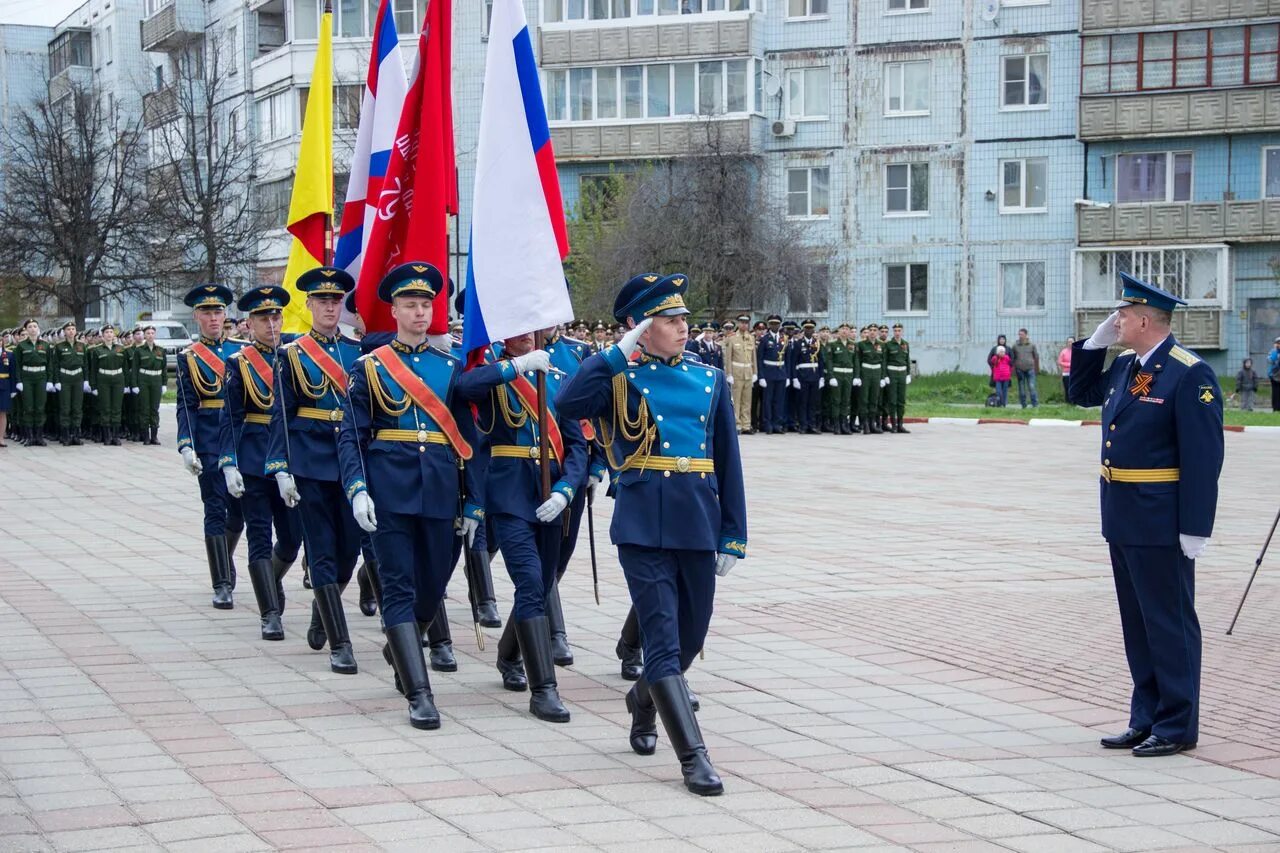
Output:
[[544, 449]]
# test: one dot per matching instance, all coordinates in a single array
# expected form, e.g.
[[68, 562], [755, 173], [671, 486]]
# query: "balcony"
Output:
[[1115, 14], [1253, 221], [727, 34], [1197, 328], [159, 107], [71, 79], [1201, 113], [647, 140], [173, 25]]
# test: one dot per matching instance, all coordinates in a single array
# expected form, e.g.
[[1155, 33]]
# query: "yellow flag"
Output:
[[311, 206]]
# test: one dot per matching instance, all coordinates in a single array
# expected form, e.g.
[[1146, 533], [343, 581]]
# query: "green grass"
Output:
[[963, 395]]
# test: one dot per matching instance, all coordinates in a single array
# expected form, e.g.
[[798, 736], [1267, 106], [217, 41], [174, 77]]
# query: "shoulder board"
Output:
[[444, 353], [364, 356], [573, 341], [242, 341], [1126, 352], [236, 354], [692, 356], [292, 343], [1187, 357], [343, 339]]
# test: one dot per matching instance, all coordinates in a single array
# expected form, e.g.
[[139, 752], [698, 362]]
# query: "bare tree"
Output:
[[75, 221], [709, 214], [202, 168]]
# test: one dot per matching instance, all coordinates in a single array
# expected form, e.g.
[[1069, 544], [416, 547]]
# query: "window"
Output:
[[97, 50], [232, 50], [808, 93], [1022, 286], [1158, 177], [1023, 185], [906, 88], [486, 18], [275, 116], [346, 106], [1271, 172], [1225, 56], [906, 288], [806, 8], [273, 202], [812, 293], [554, 11], [906, 189], [682, 89], [908, 6], [108, 45], [153, 6], [159, 77], [408, 15], [1195, 274], [233, 126], [1024, 82], [809, 192]]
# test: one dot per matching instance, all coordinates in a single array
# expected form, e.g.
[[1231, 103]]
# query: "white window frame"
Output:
[[1024, 310], [635, 15], [1022, 209], [1080, 257], [808, 193], [908, 9], [1170, 159], [565, 119], [1025, 2], [1262, 192], [905, 312], [486, 18], [1026, 82], [900, 68], [786, 89], [289, 99], [908, 213], [809, 14]]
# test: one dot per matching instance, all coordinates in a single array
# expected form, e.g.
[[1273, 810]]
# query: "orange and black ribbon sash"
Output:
[[424, 397]]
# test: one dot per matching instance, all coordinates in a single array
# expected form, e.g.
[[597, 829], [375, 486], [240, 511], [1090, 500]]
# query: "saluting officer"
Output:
[[897, 359], [1161, 454], [400, 452], [771, 355], [201, 399], [302, 455], [668, 428], [71, 384], [149, 365]]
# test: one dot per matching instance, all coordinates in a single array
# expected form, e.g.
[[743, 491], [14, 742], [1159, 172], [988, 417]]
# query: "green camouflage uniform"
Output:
[[870, 369]]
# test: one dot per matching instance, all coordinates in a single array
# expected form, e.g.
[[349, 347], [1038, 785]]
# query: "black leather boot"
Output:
[[115, 437], [76, 441], [368, 603], [316, 637], [900, 427], [233, 539], [486, 601], [644, 719], [509, 662], [628, 648], [671, 698], [334, 619], [694, 702], [219, 571], [306, 573], [155, 436], [405, 644], [264, 589], [436, 636], [40, 442], [535, 643], [375, 583], [281, 568], [560, 651]]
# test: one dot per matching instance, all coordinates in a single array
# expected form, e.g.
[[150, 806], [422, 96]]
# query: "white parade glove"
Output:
[[467, 530], [857, 382], [725, 563], [288, 489], [128, 389], [19, 387], [539, 360], [1106, 334], [192, 462], [235, 483], [57, 386], [597, 478], [833, 383], [87, 389], [48, 386], [1192, 546], [362, 509], [631, 339], [764, 383], [908, 378], [884, 383], [728, 377], [137, 390], [795, 383], [551, 508], [754, 378], [95, 392]]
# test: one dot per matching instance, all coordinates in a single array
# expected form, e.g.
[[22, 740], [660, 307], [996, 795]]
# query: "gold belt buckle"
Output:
[[533, 451], [682, 464], [335, 414], [422, 435]]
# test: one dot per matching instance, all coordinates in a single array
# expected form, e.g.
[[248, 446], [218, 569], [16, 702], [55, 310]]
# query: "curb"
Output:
[[1058, 422]]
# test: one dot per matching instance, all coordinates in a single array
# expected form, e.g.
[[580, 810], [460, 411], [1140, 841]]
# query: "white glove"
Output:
[[1192, 546], [57, 386], [48, 386], [728, 377], [235, 483], [857, 382], [764, 383], [192, 461], [95, 392], [87, 389], [362, 509], [467, 530], [539, 360], [137, 390], [833, 382], [908, 379], [795, 383], [631, 339], [1106, 334], [288, 489], [754, 378], [597, 478], [18, 386], [884, 383], [551, 508], [725, 563]]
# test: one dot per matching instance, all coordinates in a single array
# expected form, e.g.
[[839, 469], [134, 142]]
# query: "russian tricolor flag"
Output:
[[384, 95], [515, 274]]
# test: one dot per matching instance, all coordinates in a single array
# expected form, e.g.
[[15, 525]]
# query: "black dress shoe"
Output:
[[1128, 740], [1155, 746]]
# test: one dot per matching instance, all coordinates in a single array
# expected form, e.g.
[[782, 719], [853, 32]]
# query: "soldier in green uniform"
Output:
[[898, 365], [870, 377], [33, 363], [128, 402], [70, 382], [838, 365], [107, 380], [149, 363], [883, 337], [89, 420]]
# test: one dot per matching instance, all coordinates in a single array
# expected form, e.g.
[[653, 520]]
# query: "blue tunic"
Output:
[[311, 448]]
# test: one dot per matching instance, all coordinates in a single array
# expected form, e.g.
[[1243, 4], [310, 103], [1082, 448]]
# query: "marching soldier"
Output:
[[149, 369], [1161, 455], [740, 371], [839, 360], [243, 437], [107, 379], [871, 378], [804, 353], [71, 383], [667, 426], [898, 364], [771, 355], [33, 363]]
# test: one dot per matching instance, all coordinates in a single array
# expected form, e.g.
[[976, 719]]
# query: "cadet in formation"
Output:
[[33, 365], [71, 383], [771, 356], [107, 368], [897, 360], [149, 379], [871, 377]]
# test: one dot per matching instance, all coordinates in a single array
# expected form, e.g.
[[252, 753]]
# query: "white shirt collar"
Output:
[[1142, 360]]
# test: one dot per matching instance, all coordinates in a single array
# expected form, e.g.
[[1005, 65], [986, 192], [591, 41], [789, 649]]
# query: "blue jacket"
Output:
[[201, 398], [246, 418], [771, 357], [514, 485], [804, 351], [1174, 422], [310, 447], [567, 355], [687, 415], [7, 380], [406, 477]]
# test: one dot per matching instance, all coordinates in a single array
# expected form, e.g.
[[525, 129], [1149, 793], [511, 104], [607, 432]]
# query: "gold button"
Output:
[[666, 473], [1108, 444], [1113, 427], [335, 429], [1106, 461], [533, 452], [335, 414], [422, 435], [421, 449]]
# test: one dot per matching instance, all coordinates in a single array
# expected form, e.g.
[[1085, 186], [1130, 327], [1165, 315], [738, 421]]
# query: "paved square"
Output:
[[919, 653]]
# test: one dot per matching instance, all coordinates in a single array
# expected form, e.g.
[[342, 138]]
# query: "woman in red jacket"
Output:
[[1001, 374]]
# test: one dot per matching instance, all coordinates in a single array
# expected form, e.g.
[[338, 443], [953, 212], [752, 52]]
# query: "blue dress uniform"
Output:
[[771, 358], [669, 431], [201, 372], [311, 380], [406, 458], [243, 437], [507, 416], [802, 355], [6, 381], [1161, 456]]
